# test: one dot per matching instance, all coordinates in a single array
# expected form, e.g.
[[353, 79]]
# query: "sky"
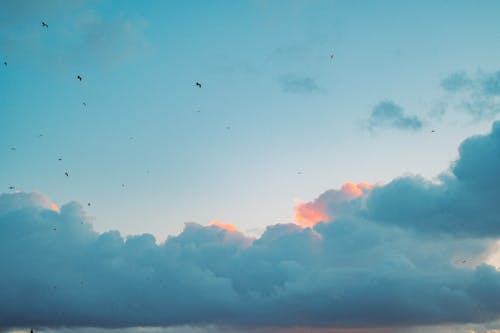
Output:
[[337, 170]]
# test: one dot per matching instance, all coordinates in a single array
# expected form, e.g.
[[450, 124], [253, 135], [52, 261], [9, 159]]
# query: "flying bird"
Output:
[[66, 174], [54, 229], [84, 104], [79, 78], [228, 127], [45, 25], [13, 148], [12, 187], [59, 159], [331, 56], [88, 204], [198, 84], [5, 63], [433, 131]]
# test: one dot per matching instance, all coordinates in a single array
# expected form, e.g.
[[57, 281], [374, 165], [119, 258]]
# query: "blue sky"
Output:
[[140, 62], [277, 121]]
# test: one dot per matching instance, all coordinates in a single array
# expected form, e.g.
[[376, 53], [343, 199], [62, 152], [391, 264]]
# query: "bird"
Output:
[[433, 131], [54, 229], [228, 127], [13, 148], [331, 56], [79, 78], [40, 135], [123, 185], [84, 104], [198, 84], [300, 173], [12, 187], [59, 159], [66, 174], [45, 25], [5, 63], [88, 204]]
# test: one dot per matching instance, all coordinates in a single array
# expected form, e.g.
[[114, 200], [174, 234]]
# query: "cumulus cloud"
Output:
[[403, 254], [478, 94], [390, 115], [299, 84]]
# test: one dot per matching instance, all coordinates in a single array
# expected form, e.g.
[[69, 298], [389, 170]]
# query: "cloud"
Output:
[[456, 82], [320, 210], [299, 84], [404, 254], [478, 95], [389, 114], [77, 35]]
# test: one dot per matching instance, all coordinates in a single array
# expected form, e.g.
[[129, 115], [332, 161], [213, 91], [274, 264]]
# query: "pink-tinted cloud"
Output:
[[322, 208]]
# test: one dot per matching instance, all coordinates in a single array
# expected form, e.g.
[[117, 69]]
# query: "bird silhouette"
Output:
[[433, 131], [79, 78], [12, 187], [5, 63], [59, 159], [45, 25], [66, 174], [88, 204], [13, 148], [198, 84], [84, 104], [331, 56]]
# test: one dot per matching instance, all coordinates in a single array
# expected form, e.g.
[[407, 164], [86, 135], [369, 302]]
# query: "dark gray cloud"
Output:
[[464, 201], [404, 254], [299, 84], [389, 114], [476, 94]]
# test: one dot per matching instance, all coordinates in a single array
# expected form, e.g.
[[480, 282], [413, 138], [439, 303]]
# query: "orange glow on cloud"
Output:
[[309, 214], [225, 226], [54, 207], [355, 190]]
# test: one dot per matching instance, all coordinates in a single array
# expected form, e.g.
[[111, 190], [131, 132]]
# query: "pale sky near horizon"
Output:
[[278, 120]]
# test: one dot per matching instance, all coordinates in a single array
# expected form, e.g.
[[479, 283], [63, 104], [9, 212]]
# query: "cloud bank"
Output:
[[403, 254]]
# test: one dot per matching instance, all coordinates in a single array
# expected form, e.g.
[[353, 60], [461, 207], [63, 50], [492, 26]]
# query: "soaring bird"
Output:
[[88, 204], [331, 56], [198, 84], [59, 159], [433, 131], [84, 104], [5, 63], [79, 78], [13, 148], [45, 25], [12, 187], [66, 174]]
